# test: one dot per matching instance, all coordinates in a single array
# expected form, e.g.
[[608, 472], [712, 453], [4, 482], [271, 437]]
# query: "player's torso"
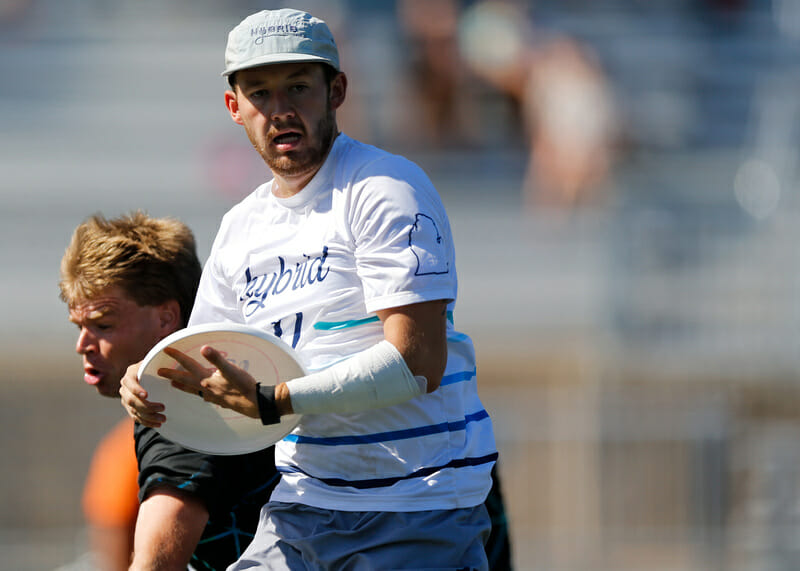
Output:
[[306, 270], [293, 271]]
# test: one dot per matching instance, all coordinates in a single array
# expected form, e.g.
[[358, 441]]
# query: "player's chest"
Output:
[[280, 265]]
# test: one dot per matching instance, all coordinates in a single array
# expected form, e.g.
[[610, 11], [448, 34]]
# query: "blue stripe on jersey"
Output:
[[458, 377], [337, 325], [390, 435], [457, 337], [383, 482]]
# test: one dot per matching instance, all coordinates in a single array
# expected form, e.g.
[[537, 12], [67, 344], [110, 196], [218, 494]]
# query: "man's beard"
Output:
[[293, 163]]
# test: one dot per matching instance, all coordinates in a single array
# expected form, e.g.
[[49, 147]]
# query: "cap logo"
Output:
[[262, 32]]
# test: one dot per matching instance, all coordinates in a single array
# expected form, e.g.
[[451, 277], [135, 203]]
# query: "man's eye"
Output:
[[259, 94], [299, 88]]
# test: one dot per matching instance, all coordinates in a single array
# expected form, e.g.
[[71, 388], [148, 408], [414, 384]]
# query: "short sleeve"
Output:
[[215, 300], [404, 246]]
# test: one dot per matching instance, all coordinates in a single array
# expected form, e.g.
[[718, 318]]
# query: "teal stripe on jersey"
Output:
[[337, 325], [390, 435]]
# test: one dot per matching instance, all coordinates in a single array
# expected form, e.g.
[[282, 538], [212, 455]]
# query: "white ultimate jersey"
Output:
[[369, 232]]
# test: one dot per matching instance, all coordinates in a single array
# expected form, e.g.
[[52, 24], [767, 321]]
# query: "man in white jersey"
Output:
[[347, 255]]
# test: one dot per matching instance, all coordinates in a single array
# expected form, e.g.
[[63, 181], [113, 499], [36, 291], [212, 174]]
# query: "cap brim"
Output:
[[278, 58]]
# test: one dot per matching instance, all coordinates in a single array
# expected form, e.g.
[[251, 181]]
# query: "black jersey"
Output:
[[233, 489]]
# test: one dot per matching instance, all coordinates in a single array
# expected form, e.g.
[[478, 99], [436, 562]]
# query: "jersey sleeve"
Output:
[[110, 493], [215, 300], [404, 246]]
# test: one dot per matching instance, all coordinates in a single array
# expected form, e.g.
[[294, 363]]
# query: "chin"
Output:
[[108, 392]]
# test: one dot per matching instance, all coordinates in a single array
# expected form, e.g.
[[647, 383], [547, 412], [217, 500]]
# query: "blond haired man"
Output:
[[129, 282]]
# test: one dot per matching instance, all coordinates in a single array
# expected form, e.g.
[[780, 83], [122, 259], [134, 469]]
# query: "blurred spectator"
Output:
[[436, 79], [570, 118], [13, 11], [565, 101], [110, 502]]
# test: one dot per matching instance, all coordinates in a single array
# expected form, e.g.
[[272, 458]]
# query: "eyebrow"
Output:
[[95, 314]]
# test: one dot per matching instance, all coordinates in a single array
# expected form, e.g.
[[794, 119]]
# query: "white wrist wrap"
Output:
[[373, 378]]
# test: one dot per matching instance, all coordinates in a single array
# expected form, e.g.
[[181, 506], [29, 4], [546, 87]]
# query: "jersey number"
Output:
[[277, 329]]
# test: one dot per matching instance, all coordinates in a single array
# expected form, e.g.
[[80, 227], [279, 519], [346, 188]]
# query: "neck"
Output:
[[286, 186]]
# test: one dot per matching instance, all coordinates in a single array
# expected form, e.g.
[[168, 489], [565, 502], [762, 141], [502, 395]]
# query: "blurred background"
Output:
[[621, 178]]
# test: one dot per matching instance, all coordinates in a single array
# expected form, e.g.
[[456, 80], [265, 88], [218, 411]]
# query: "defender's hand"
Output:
[[134, 400]]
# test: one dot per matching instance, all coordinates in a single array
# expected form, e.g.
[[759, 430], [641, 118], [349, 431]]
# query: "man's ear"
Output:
[[232, 104], [169, 317], [338, 90]]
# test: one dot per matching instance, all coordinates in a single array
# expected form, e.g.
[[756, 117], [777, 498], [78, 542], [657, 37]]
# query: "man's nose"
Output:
[[282, 106], [86, 342]]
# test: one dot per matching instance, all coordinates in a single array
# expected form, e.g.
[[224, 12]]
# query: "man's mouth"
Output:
[[286, 140], [92, 376]]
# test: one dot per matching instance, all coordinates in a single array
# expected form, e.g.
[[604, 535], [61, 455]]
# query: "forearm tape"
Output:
[[374, 378]]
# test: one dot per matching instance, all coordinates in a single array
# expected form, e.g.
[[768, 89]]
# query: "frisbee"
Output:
[[210, 428]]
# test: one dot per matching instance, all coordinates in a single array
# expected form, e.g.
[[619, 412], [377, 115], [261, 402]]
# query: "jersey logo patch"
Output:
[[427, 246]]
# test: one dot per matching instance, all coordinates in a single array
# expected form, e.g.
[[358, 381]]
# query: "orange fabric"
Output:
[[110, 495]]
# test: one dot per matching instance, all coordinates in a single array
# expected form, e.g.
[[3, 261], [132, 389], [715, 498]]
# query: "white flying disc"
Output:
[[206, 427]]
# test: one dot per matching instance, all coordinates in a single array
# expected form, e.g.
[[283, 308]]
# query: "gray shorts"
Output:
[[295, 537]]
